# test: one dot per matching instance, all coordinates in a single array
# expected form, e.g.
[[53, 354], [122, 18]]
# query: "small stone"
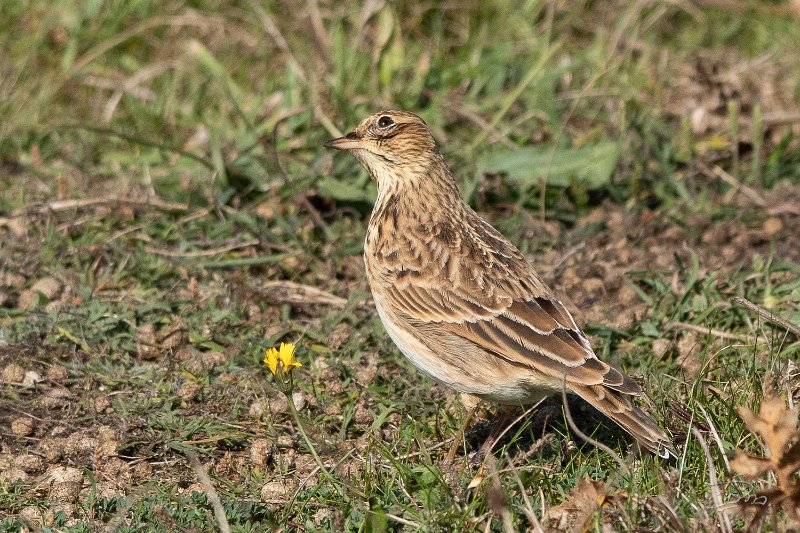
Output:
[[256, 409], [593, 286], [333, 409], [322, 516], [299, 400], [365, 375], [31, 378], [189, 390], [772, 225], [174, 335], [107, 446], [661, 347], [27, 300], [142, 471], [278, 404], [54, 398], [285, 441], [101, 403], [185, 353], [10, 279], [202, 362], [362, 414], [13, 373], [79, 444], [48, 286], [22, 426], [195, 487], [627, 295], [52, 449], [340, 334]]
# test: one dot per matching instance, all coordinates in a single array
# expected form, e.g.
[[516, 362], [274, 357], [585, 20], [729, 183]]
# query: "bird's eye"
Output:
[[385, 121]]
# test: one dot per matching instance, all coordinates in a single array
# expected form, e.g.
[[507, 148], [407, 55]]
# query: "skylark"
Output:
[[460, 301]]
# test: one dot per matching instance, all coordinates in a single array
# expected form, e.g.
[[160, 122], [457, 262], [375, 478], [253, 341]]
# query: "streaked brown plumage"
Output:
[[459, 300]]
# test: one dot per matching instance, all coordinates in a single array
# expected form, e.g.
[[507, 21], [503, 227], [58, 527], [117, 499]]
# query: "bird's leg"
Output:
[[470, 403], [500, 426]]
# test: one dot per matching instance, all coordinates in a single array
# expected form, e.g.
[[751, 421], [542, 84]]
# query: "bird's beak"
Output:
[[351, 141]]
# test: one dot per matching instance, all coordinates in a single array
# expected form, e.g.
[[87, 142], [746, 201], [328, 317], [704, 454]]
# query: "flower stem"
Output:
[[300, 426]]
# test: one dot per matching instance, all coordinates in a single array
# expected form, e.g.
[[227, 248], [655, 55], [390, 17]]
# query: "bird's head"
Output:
[[392, 145]]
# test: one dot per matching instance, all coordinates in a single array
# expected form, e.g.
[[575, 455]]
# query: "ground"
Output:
[[168, 213]]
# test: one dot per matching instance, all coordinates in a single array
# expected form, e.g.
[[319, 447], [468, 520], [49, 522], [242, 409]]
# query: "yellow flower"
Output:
[[284, 355], [271, 359]]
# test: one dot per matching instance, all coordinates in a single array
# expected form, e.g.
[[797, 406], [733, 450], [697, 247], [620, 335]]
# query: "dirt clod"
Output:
[[65, 483], [22, 426], [13, 373], [277, 491], [146, 342], [56, 373], [261, 451]]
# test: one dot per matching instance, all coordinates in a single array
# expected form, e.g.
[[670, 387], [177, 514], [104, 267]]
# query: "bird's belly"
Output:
[[486, 376]]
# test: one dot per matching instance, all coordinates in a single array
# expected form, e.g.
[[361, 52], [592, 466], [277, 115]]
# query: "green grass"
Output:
[[562, 125]]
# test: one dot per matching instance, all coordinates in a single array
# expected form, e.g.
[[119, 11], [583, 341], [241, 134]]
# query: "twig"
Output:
[[614, 455], [403, 521], [528, 507], [715, 332], [496, 497], [781, 118], [713, 484], [715, 434], [785, 208], [80, 203], [749, 192], [211, 492], [202, 253], [296, 293], [768, 315], [130, 84]]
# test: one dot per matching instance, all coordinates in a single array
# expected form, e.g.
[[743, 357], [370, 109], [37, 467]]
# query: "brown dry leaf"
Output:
[[778, 426], [577, 512]]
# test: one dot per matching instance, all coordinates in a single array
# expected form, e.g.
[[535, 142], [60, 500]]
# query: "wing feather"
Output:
[[537, 332]]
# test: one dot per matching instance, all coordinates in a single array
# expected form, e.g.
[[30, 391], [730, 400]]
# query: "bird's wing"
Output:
[[477, 285], [534, 331]]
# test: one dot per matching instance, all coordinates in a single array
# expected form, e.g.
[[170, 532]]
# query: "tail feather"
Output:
[[619, 407]]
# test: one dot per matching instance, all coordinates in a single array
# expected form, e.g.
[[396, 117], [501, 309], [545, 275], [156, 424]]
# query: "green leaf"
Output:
[[591, 165]]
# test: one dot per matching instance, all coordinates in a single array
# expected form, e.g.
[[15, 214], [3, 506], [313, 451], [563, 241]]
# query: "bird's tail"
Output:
[[619, 407]]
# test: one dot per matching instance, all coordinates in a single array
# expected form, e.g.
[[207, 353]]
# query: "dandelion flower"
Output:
[[283, 355]]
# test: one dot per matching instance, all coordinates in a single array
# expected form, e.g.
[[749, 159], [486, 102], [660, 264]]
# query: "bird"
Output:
[[460, 301]]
